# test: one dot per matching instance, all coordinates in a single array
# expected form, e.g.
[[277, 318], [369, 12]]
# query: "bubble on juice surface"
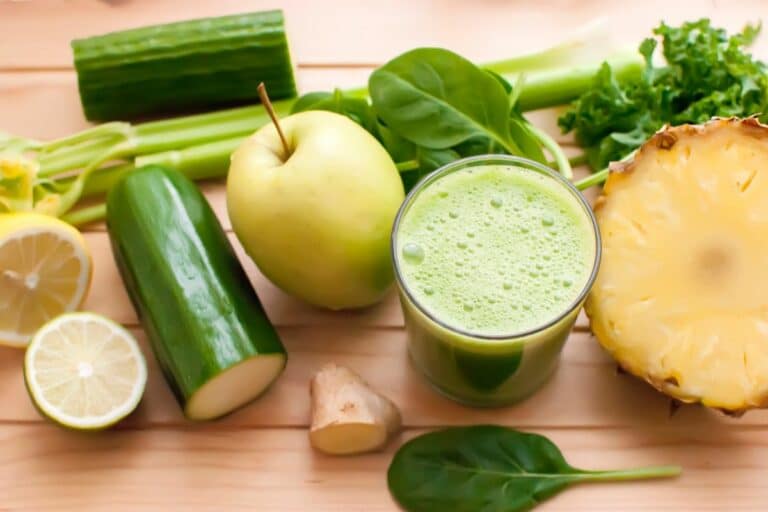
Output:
[[413, 253]]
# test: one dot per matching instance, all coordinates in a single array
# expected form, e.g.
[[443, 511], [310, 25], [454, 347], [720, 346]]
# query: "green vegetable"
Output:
[[356, 108], [437, 99], [430, 106], [204, 321], [489, 468], [197, 64], [86, 164], [707, 73]]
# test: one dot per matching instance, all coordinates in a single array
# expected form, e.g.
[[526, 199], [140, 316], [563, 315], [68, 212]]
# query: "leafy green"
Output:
[[402, 150], [87, 163], [357, 109], [429, 107], [438, 99], [489, 468], [707, 74]]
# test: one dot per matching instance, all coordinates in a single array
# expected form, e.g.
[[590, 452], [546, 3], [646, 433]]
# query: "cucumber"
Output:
[[203, 319], [191, 65]]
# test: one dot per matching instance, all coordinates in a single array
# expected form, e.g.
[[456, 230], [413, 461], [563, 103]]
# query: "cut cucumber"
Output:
[[204, 321], [191, 65]]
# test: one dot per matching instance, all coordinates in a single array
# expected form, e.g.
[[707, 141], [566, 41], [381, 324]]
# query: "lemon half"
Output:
[[45, 270]]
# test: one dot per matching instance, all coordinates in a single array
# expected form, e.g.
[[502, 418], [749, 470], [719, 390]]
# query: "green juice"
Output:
[[494, 258]]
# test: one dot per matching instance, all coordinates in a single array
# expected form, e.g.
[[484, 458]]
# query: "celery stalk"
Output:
[[553, 87], [88, 163]]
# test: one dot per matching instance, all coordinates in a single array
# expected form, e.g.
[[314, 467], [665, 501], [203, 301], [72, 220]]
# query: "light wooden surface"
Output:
[[259, 457]]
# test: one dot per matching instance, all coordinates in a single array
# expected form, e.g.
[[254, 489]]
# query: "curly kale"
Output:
[[707, 73]]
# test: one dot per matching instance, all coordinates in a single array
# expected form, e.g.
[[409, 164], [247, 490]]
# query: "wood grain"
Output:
[[586, 391], [352, 33], [258, 457], [275, 469]]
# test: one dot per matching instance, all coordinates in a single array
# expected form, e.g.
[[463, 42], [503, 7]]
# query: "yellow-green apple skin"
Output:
[[317, 220]]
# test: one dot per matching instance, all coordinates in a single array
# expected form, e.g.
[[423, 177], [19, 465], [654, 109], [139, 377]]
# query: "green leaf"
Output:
[[402, 150], [309, 100], [489, 468], [524, 137], [707, 74], [438, 99], [398, 148], [518, 124], [429, 160], [503, 81], [357, 109]]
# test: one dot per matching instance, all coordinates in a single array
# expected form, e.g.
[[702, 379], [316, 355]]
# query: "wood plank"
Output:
[[259, 456], [44, 469], [361, 32], [585, 391]]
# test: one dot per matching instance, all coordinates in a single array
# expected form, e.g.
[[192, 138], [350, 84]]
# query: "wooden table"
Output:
[[259, 458]]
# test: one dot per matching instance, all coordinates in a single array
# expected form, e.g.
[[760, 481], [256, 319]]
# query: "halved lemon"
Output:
[[45, 270], [84, 371]]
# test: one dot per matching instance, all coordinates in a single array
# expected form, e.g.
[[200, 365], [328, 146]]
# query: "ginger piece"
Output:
[[348, 415]]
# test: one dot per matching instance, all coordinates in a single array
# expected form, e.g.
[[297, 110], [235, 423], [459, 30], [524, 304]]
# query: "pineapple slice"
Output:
[[681, 299]]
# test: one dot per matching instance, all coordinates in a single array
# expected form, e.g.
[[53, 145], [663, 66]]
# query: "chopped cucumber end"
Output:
[[234, 387]]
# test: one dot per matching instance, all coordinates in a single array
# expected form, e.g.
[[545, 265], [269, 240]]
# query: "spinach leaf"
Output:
[[526, 140], [398, 148], [357, 109], [530, 145], [438, 99], [429, 160], [489, 468], [402, 150], [309, 100]]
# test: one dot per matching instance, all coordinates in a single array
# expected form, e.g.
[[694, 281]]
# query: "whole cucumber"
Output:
[[205, 323]]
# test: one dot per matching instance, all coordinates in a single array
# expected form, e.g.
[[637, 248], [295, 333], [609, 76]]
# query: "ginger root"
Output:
[[348, 416]]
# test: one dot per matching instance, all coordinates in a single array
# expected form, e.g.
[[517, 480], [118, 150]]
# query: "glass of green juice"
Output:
[[494, 256]]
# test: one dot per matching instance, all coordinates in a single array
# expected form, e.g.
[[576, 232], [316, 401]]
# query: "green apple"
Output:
[[316, 219]]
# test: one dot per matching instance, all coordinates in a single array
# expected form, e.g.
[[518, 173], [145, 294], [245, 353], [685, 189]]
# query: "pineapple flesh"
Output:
[[681, 299]]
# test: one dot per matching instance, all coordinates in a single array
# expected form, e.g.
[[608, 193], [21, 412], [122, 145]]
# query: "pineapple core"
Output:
[[681, 299]]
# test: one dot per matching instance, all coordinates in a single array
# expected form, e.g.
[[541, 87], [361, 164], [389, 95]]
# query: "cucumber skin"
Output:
[[189, 65], [195, 302]]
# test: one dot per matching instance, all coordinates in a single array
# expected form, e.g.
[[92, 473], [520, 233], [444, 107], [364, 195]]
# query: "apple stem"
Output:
[[272, 115]]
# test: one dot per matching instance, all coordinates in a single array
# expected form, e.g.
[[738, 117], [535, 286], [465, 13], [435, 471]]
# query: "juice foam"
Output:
[[495, 250]]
